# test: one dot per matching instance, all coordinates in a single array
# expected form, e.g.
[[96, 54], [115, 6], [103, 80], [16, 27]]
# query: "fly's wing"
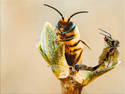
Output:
[[115, 56], [53, 52]]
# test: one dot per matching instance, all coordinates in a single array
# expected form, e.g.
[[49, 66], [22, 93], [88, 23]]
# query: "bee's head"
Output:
[[108, 39], [65, 25]]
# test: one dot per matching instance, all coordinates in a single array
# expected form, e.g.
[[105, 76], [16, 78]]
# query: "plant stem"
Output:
[[69, 88]]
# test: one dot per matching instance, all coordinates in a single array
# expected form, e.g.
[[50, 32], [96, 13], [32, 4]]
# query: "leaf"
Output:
[[53, 52], [83, 77], [60, 71], [43, 54], [91, 76]]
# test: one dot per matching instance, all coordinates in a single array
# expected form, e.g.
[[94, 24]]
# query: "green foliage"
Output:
[[52, 51]]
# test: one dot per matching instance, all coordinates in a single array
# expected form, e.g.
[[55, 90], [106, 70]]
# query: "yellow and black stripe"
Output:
[[73, 51]]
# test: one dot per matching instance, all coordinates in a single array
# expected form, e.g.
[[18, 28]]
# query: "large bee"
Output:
[[110, 53], [68, 33]]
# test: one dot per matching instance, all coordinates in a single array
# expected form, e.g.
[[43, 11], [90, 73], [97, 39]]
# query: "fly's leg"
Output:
[[109, 62]]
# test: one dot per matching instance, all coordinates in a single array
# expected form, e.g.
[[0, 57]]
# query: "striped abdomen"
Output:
[[73, 50]]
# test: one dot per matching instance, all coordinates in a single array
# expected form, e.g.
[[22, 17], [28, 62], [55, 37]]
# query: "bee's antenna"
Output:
[[77, 13], [55, 10], [104, 32]]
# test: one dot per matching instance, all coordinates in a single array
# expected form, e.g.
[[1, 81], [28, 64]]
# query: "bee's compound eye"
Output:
[[70, 27]]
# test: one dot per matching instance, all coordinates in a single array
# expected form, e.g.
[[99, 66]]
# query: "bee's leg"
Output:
[[85, 44], [58, 41], [68, 39]]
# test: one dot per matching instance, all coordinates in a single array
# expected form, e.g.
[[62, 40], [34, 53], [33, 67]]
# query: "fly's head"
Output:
[[109, 40]]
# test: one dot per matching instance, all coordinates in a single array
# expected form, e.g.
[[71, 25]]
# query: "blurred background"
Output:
[[24, 71]]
